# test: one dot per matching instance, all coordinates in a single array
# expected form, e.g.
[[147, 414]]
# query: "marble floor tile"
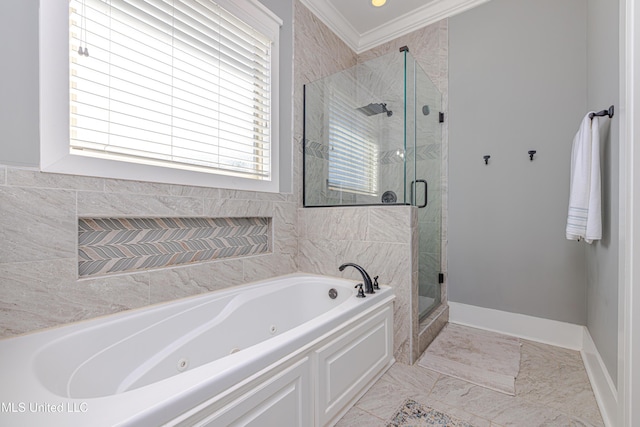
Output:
[[525, 414], [545, 353], [557, 378], [458, 413], [387, 395], [383, 399], [412, 377], [472, 398], [356, 417], [552, 389]]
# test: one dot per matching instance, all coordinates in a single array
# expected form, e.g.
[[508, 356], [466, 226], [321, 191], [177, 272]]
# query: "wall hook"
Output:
[[486, 159], [608, 112], [531, 153]]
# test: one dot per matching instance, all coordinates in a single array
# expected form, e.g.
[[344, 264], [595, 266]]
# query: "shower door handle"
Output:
[[426, 191]]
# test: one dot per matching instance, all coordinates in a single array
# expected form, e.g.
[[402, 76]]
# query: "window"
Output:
[[353, 152], [181, 91]]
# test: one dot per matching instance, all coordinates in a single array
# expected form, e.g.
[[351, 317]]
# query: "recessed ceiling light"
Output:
[[378, 3]]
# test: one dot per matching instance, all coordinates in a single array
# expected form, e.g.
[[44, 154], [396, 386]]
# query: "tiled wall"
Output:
[[38, 255], [317, 53], [383, 239], [380, 239]]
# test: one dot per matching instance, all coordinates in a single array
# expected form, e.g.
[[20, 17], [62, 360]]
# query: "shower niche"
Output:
[[372, 136]]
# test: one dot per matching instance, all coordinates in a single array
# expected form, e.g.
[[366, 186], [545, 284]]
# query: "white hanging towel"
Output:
[[584, 220]]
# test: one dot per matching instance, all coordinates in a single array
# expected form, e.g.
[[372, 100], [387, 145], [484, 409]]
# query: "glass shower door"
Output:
[[424, 178], [353, 136]]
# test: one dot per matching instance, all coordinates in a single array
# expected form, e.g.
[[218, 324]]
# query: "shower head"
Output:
[[373, 109], [425, 110]]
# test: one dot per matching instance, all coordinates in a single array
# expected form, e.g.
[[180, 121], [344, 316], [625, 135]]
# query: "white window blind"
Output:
[[353, 152], [182, 84]]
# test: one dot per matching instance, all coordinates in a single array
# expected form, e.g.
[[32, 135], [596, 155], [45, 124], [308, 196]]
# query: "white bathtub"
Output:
[[277, 351]]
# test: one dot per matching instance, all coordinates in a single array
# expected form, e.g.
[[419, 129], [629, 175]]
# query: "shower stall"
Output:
[[372, 136]]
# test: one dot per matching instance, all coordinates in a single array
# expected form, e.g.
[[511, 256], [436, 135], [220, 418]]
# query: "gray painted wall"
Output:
[[19, 83], [602, 257], [517, 81]]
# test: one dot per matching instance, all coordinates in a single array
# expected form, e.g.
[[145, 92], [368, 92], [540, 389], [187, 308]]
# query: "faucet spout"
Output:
[[368, 284]]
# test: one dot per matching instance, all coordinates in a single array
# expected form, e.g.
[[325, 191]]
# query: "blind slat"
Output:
[[353, 156], [185, 83]]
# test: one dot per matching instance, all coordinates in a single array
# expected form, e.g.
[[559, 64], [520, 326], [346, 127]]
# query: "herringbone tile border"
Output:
[[116, 245]]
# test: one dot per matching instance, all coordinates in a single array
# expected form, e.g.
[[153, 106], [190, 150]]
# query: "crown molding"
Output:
[[336, 22], [428, 14], [359, 42]]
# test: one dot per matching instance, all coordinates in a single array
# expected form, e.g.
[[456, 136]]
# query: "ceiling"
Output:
[[362, 26]]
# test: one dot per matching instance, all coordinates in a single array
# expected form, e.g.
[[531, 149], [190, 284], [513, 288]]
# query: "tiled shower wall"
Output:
[[429, 46], [381, 238], [39, 232]]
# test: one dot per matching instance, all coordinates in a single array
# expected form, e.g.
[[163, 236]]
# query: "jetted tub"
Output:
[[276, 352]]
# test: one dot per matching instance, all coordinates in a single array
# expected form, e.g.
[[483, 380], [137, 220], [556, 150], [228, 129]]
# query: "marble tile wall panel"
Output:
[[428, 45], [286, 246], [39, 227], [385, 225], [237, 208], [339, 223], [36, 224], [41, 294], [332, 236], [117, 245], [32, 178], [158, 189], [392, 263], [92, 204], [174, 283], [319, 256], [318, 53], [270, 265]]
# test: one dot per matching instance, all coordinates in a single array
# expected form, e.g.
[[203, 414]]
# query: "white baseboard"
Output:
[[601, 382], [560, 334], [553, 332]]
